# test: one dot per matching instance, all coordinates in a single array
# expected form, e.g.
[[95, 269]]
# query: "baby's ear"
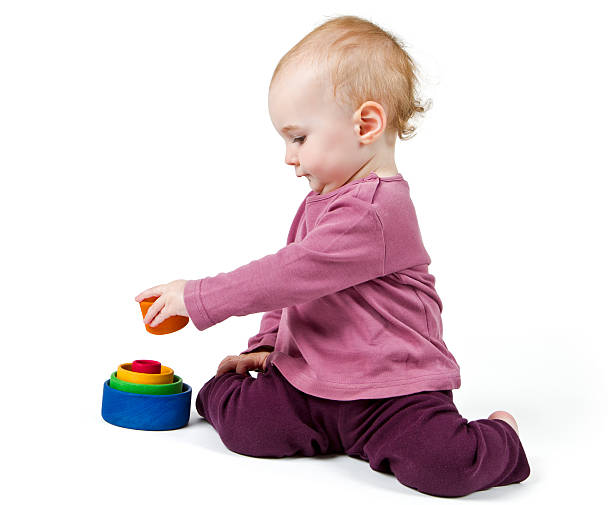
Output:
[[371, 120]]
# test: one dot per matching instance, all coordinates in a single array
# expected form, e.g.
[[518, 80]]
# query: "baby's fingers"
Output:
[[246, 364], [147, 293], [161, 317], [153, 310], [227, 365]]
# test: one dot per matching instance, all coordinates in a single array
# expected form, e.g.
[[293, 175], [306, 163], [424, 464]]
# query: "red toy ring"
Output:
[[146, 366]]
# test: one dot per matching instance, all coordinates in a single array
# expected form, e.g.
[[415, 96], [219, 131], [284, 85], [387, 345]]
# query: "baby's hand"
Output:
[[243, 363], [170, 302]]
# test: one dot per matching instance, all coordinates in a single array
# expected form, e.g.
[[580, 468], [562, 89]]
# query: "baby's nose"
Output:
[[291, 158]]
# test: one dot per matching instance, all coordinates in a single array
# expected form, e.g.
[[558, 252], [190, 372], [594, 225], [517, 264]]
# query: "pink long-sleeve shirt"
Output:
[[350, 308]]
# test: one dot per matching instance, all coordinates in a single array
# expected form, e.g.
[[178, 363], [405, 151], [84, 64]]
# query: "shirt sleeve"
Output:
[[268, 330], [345, 247]]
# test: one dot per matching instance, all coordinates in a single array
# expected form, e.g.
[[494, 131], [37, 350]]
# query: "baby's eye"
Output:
[[298, 139]]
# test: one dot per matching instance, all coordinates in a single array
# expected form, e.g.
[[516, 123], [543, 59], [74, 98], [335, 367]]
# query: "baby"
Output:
[[350, 346]]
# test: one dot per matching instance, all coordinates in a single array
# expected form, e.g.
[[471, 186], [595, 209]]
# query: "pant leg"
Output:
[[424, 441], [267, 416]]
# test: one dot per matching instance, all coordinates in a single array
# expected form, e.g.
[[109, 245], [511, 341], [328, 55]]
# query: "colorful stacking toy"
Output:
[[145, 395]]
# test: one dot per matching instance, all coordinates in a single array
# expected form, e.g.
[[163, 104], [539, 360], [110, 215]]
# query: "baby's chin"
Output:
[[312, 184]]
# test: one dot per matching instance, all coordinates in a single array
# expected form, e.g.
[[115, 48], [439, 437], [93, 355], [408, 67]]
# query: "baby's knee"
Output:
[[245, 423], [213, 396]]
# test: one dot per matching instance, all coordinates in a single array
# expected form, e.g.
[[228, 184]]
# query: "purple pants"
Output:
[[420, 438]]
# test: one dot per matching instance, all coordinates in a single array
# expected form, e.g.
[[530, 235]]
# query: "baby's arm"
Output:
[[345, 248]]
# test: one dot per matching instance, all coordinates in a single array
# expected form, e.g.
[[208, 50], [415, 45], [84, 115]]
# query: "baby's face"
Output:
[[322, 141]]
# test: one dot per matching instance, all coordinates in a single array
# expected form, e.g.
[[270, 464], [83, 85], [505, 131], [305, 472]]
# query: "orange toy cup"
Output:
[[173, 323]]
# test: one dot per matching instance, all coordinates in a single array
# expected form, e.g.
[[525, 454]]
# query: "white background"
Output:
[[136, 148]]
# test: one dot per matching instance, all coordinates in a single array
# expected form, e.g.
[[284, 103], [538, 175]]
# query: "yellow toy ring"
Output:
[[124, 373]]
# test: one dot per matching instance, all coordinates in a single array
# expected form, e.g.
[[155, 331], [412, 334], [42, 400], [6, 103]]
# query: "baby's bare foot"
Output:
[[505, 416]]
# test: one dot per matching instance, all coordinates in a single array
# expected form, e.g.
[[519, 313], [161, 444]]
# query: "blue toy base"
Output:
[[146, 412]]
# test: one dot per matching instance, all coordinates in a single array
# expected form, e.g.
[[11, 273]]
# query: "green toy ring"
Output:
[[173, 388]]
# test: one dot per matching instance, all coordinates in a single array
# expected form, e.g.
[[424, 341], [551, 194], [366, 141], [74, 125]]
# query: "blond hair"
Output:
[[365, 63]]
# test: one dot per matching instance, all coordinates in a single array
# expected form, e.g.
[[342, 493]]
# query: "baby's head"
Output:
[[339, 98]]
